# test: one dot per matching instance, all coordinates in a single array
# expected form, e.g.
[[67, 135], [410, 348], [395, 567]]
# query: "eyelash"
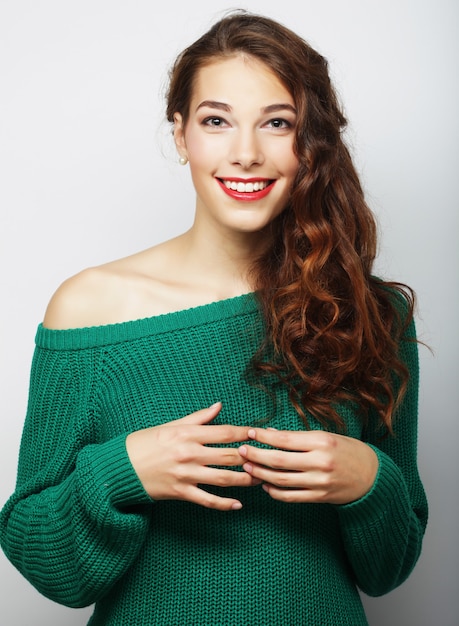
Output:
[[213, 118], [284, 123], [210, 121]]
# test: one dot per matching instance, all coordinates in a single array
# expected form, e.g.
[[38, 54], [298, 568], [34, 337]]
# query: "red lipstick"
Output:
[[247, 196]]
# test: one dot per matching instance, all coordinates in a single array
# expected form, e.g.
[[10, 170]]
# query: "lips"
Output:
[[247, 190]]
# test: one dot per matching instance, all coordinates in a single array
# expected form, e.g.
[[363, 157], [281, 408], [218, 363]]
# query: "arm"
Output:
[[81, 509], [79, 515], [383, 531], [374, 485]]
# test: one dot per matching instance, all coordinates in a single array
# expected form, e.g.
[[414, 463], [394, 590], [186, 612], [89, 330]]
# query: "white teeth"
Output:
[[245, 187]]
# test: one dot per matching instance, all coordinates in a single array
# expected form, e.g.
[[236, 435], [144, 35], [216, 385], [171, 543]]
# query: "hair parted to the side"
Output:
[[333, 330]]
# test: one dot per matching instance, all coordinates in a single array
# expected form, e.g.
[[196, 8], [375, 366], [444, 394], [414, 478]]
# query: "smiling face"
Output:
[[239, 140]]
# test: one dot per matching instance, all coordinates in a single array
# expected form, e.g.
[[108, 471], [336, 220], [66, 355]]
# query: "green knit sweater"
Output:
[[82, 530]]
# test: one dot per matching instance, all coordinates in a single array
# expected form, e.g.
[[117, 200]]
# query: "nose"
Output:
[[246, 149]]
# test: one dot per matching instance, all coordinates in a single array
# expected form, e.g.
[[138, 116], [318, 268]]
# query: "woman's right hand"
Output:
[[172, 460]]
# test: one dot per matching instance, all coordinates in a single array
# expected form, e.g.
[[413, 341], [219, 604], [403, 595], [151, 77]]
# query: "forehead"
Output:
[[239, 78]]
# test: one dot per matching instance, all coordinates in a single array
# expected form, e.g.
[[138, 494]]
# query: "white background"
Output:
[[88, 173]]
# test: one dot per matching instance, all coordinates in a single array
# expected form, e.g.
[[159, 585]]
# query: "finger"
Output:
[[211, 501], [301, 441], [225, 478], [293, 495], [227, 457], [204, 416], [284, 480], [224, 433], [276, 459]]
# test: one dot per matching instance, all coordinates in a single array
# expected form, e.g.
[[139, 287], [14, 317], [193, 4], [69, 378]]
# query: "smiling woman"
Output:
[[238, 138], [148, 482]]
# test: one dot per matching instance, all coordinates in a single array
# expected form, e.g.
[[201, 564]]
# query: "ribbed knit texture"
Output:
[[82, 529]]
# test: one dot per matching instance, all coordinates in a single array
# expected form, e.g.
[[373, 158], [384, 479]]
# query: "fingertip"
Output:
[[236, 506], [252, 433], [214, 409]]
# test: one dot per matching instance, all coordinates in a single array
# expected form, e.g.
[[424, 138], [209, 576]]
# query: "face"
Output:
[[239, 142]]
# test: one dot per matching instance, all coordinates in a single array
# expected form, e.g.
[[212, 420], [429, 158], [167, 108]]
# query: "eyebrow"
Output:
[[222, 106]]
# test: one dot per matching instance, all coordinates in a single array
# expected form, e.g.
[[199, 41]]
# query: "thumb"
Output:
[[203, 416]]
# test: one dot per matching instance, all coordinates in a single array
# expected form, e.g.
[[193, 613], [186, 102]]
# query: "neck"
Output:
[[223, 261]]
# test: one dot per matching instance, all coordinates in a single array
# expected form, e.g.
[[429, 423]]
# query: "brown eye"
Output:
[[213, 121], [279, 123]]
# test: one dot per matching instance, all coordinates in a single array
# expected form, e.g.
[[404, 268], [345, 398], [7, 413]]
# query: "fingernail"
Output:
[[271, 428], [248, 467], [236, 506], [214, 405], [252, 433], [243, 450]]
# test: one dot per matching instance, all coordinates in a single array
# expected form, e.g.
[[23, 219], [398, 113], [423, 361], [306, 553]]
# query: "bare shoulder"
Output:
[[82, 300], [134, 287]]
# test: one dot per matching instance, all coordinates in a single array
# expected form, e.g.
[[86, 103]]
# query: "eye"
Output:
[[280, 123], [213, 121]]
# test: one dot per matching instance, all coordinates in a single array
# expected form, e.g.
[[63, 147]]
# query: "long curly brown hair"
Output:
[[333, 329]]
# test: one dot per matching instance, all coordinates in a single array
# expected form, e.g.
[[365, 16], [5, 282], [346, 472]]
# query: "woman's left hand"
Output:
[[311, 466]]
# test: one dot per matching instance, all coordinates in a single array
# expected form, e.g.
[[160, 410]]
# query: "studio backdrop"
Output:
[[88, 173]]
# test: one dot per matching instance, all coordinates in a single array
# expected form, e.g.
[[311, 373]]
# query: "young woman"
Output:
[[222, 429]]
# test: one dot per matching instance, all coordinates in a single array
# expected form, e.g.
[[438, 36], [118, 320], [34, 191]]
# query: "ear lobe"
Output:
[[179, 135]]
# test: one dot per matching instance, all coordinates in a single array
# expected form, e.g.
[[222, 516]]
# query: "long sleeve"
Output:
[[82, 530], [383, 531], [79, 514]]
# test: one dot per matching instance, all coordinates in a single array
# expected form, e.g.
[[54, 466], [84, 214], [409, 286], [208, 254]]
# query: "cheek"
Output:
[[283, 157], [290, 161], [200, 149]]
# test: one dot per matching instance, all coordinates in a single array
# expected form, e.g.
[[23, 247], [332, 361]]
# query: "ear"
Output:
[[179, 135]]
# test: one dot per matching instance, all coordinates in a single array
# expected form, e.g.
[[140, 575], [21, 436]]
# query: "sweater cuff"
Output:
[[388, 494], [113, 474]]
